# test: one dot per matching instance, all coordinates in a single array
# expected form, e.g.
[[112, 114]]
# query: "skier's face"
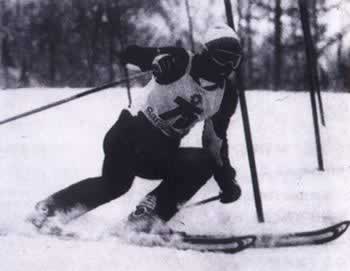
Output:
[[212, 69]]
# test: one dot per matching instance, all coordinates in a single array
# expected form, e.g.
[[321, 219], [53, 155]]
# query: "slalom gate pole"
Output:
[[72, 98], [246, 126], [190, 24], [122, 42], [319, 95], [304, 17]]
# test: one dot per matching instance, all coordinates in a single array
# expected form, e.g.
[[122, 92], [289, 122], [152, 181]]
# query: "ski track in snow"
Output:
[[55, 148]]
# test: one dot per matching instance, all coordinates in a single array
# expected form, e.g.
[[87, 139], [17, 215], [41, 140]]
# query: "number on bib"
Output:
[[186, 111]]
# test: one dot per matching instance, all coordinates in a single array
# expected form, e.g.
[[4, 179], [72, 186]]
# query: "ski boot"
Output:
[[48, 219], [145, 219], [44, 218]]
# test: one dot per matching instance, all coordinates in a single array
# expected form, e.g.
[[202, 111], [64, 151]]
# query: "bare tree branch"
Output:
[[333, 40]]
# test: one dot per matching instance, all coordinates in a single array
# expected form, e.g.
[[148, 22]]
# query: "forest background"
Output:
[[77, 43]]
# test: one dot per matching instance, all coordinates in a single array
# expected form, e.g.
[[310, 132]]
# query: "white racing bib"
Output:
[[175, 108]]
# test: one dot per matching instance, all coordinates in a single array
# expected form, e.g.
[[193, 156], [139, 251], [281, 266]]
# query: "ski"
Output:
[[315, 237], [203, 243], [233, 243], [218, 243]]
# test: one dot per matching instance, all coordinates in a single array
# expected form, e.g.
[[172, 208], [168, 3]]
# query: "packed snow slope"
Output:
[[53, 149]]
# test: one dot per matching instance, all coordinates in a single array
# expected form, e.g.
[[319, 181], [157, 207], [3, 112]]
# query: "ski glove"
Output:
[[167, 63], [230, 190], [163, 66], [170, 65], [231, 194]]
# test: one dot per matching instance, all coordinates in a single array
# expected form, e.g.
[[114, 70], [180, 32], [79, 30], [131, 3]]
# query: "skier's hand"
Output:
[[231, 193], [230, 190], [163, 66]]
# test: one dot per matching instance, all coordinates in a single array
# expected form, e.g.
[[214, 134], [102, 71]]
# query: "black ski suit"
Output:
[[135, 146]]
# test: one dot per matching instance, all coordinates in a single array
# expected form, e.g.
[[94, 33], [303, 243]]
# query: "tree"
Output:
[[6, 59]]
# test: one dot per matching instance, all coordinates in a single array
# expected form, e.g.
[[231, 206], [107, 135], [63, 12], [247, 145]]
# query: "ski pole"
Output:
[[71, 98], [202, 202]]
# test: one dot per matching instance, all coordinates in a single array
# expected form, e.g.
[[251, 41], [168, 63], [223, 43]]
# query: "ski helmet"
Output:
[[223, 45]]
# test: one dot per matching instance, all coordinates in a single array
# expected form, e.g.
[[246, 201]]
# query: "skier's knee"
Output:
[[118, 187]]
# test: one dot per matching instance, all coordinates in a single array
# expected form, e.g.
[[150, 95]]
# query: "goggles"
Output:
[[225, 58]]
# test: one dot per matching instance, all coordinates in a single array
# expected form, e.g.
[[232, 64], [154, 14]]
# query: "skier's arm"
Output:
[[215, 141], [167, 63]]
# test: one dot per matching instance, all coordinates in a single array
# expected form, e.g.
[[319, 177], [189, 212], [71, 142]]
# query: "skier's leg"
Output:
[[79, 198], [188, 171]]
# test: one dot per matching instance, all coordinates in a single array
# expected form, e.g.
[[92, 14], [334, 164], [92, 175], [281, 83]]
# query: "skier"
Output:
[[185, 89]]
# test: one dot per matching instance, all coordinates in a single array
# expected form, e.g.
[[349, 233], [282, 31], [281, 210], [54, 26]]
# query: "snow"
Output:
[[50, 150]]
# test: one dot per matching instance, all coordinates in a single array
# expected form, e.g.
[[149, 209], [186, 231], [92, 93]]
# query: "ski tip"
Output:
[[342, 226], [347, 222]]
